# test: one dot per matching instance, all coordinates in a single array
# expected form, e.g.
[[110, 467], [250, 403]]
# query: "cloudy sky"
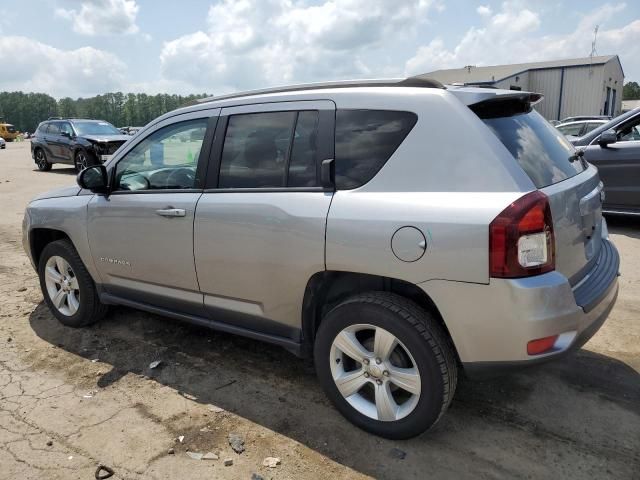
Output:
[[85, 47]]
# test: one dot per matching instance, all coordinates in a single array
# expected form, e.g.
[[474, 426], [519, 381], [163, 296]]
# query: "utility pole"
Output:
[[593, 49]]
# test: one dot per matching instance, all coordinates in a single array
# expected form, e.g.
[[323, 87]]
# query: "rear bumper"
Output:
[[491, 324]]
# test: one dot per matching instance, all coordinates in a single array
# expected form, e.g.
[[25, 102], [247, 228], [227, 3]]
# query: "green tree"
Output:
[[631, 91], [27, 110]]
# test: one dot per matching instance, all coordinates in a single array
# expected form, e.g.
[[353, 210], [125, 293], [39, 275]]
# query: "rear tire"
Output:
[[68, 289], [41, 160], [408, 373]]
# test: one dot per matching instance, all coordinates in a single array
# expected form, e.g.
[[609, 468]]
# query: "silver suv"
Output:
[[397, 232]]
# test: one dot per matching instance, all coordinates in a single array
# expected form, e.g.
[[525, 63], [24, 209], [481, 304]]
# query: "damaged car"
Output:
[[77, 142]]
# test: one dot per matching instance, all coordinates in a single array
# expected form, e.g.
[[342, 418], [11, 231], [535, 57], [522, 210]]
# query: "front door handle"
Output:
[[171, 212]]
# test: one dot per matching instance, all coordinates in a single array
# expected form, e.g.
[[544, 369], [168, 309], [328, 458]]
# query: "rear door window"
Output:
[[540, 149], [270, 150], [365, 140]]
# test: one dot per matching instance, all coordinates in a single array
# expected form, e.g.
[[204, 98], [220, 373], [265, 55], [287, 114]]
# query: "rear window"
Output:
[[365, 139], [540, 149]]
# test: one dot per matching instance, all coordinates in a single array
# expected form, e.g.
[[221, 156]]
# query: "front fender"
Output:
[[67, 215]]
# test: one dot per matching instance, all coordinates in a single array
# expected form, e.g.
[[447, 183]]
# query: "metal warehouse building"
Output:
[[576, 86]]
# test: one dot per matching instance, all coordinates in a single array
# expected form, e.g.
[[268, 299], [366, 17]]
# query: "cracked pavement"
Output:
[[73, 399]]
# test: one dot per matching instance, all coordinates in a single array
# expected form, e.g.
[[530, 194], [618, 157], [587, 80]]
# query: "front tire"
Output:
[[386, 364], [68, 289], [82, 160], [41, 161]]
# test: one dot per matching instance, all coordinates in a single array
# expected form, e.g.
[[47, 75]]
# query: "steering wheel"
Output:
[[132, 180], [181, 178]]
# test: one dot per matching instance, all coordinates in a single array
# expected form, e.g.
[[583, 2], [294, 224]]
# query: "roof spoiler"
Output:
[[505, 104]]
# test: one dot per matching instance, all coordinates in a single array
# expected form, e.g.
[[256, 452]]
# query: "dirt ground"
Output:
[[73, 399]]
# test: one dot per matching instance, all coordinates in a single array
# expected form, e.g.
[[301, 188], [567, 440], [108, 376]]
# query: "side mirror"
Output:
[[607, 138], [94, 178], [65, 134], [328, 173]]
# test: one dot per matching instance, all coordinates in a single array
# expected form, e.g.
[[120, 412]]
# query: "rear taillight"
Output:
[[521, 239]]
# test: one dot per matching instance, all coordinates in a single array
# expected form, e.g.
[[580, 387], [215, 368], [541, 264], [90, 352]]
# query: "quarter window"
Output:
[[166, 159], [365, 140], [270, 150]]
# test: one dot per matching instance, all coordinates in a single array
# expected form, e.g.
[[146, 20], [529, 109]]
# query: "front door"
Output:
[[260, 224], [52, 140], [619, 167], [141, 235], [64, 142]]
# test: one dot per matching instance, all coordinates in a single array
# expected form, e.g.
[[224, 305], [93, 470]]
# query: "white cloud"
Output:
[[42, 68], [103, 17], [484, 10], [512, 35], [252, 43]]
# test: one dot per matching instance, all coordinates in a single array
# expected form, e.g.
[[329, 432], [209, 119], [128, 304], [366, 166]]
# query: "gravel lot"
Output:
[[73, 399]]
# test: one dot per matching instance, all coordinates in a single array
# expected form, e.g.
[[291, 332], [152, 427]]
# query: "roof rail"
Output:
[[54, 118], [417, 81]]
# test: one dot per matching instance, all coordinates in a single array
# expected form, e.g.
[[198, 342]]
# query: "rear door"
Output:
[[573, 188], [260, 224], [619, 167], [141, 235]]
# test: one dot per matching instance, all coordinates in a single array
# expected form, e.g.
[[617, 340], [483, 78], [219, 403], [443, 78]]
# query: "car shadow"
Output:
[[271, 387], [60, 170], [624, 225]]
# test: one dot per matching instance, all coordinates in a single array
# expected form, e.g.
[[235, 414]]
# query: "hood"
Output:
[[70, 191], [107, 138]]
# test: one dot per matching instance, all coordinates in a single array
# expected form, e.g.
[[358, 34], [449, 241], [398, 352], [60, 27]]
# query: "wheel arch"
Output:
[[41, 237], [326, 289]]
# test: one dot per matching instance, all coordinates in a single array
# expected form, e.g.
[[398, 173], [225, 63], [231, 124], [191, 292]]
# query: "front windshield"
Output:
[[96, 128]]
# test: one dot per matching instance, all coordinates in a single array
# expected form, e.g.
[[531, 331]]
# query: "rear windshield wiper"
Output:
[[576, 156]]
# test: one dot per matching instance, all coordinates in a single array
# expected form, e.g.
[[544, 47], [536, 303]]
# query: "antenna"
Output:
[[593, 49]]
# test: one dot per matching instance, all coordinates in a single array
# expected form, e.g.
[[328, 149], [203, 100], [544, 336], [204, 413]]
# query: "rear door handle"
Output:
[[172, 212]]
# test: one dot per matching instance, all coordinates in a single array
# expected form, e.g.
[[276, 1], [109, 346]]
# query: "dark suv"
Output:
[[78, 142]]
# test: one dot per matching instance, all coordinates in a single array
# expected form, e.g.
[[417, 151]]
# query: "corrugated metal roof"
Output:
[[495, 73]]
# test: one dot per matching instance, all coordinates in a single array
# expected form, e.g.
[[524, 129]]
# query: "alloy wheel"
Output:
[[375, 373], [81, 161], [41, 159], [62, 285]]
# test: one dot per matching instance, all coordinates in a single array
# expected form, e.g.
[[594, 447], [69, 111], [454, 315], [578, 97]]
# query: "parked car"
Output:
[[578, 118], [75, 141], [8, 132], [579, 128], [346, 222], [615, 149], [3, 144]]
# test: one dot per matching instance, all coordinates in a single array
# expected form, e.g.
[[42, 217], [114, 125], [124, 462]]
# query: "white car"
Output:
[[3, 144], [579, 128]]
